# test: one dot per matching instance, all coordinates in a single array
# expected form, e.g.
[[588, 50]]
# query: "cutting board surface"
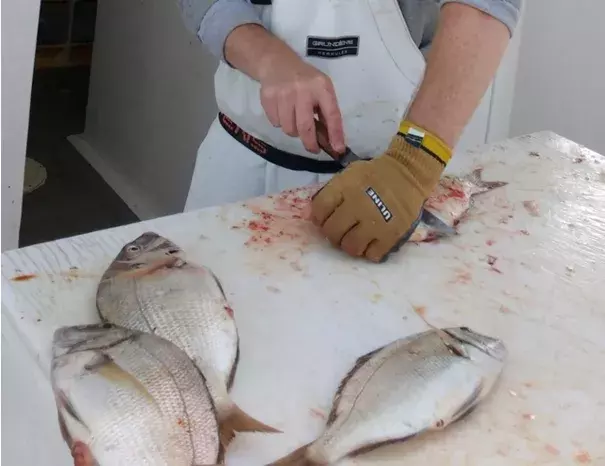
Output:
[[527, 267]]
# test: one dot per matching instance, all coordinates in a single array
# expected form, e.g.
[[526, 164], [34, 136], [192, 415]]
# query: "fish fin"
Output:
[[234, 368], [481, 186], [63, 428], [82, 455], [218, 282], [220, 458], [239, 421], [469, 404], [368, 448], [69, 409], [106, 367], [296, 458], [343, 383]]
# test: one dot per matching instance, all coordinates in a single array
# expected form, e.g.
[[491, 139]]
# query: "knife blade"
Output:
[[435, 222], [346, 158]]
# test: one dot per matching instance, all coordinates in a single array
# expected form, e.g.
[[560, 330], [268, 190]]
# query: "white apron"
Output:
[[364, 46]]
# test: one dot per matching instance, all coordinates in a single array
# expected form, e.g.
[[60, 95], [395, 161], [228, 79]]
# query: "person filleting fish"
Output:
[[396, 81]]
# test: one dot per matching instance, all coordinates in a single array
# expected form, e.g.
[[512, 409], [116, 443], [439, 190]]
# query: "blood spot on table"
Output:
[[552, 449], [462, 276], [280, 219], [24, 277], [583, 457]]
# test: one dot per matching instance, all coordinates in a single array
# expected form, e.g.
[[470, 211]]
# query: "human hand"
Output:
[[292, 91], [372, 207]]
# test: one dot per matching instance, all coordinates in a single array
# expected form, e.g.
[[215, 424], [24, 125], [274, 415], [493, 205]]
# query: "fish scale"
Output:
[[185, 302]]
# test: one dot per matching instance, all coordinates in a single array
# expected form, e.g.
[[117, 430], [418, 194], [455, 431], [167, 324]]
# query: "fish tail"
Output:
[[82, 455], [481, 186], [297, 458], [239, 421]]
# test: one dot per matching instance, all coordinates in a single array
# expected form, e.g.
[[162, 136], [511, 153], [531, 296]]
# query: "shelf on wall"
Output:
[[60, 56]]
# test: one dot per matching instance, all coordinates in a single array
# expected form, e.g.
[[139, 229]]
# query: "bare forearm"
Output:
[[464, 57], [253, 50]]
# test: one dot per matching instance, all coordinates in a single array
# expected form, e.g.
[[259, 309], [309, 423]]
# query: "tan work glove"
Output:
[[371, 208]]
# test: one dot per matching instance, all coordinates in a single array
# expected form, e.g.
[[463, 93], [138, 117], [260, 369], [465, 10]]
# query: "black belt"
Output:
[[277, 156]]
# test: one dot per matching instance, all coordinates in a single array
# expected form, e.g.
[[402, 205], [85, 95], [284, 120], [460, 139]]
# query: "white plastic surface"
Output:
[[306, 311]]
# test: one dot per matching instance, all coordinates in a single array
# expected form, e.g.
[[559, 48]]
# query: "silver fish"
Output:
[[412, 385], [449, 202], [151, 287], [130, 398]]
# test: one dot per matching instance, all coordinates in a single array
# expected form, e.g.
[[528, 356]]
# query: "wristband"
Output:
[[422, 139]]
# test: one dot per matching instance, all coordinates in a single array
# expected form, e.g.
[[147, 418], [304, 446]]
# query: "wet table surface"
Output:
[[527, 267]]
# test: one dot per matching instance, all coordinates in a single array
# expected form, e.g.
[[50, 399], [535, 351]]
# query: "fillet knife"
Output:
[[348, 157]]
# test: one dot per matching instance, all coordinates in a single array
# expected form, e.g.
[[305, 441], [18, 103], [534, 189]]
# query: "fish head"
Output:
[[148, 252], [491, 346], [90, 337]]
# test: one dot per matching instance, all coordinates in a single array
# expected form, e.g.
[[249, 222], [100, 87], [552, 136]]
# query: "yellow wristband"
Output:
[[419, 137]]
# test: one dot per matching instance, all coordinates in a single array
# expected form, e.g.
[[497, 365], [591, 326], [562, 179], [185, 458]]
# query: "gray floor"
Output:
[[74, 199]]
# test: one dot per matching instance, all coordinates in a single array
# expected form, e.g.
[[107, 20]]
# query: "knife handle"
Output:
[[324, 141]]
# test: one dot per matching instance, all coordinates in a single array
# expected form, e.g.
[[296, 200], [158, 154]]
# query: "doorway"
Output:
[[63, 195]]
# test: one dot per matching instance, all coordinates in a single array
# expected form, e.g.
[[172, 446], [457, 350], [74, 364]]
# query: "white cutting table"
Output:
[[306, 311]]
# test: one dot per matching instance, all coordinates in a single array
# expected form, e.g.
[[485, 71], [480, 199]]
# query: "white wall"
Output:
[[561, 71], [19, 31], [151, 101], [503, 88]]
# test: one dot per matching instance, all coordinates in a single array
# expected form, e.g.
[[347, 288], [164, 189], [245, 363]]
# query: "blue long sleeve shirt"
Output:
[[212, 24]]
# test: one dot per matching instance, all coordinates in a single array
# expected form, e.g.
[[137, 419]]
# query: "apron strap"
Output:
[[277, 156]]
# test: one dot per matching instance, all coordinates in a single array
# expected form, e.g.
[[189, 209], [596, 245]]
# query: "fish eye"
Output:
[[133, 248], [465, 329], [107, 326], [172, 251]]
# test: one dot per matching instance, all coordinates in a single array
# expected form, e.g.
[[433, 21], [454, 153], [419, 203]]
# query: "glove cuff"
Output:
[[420, 138], [424, 155]]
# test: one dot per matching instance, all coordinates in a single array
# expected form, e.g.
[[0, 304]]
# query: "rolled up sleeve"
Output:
[[212, 25], [507, 11]]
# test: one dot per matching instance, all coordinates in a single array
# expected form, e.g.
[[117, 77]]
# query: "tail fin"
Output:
[[480, 186], [82, 455], [238, 421], [296, 458]]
